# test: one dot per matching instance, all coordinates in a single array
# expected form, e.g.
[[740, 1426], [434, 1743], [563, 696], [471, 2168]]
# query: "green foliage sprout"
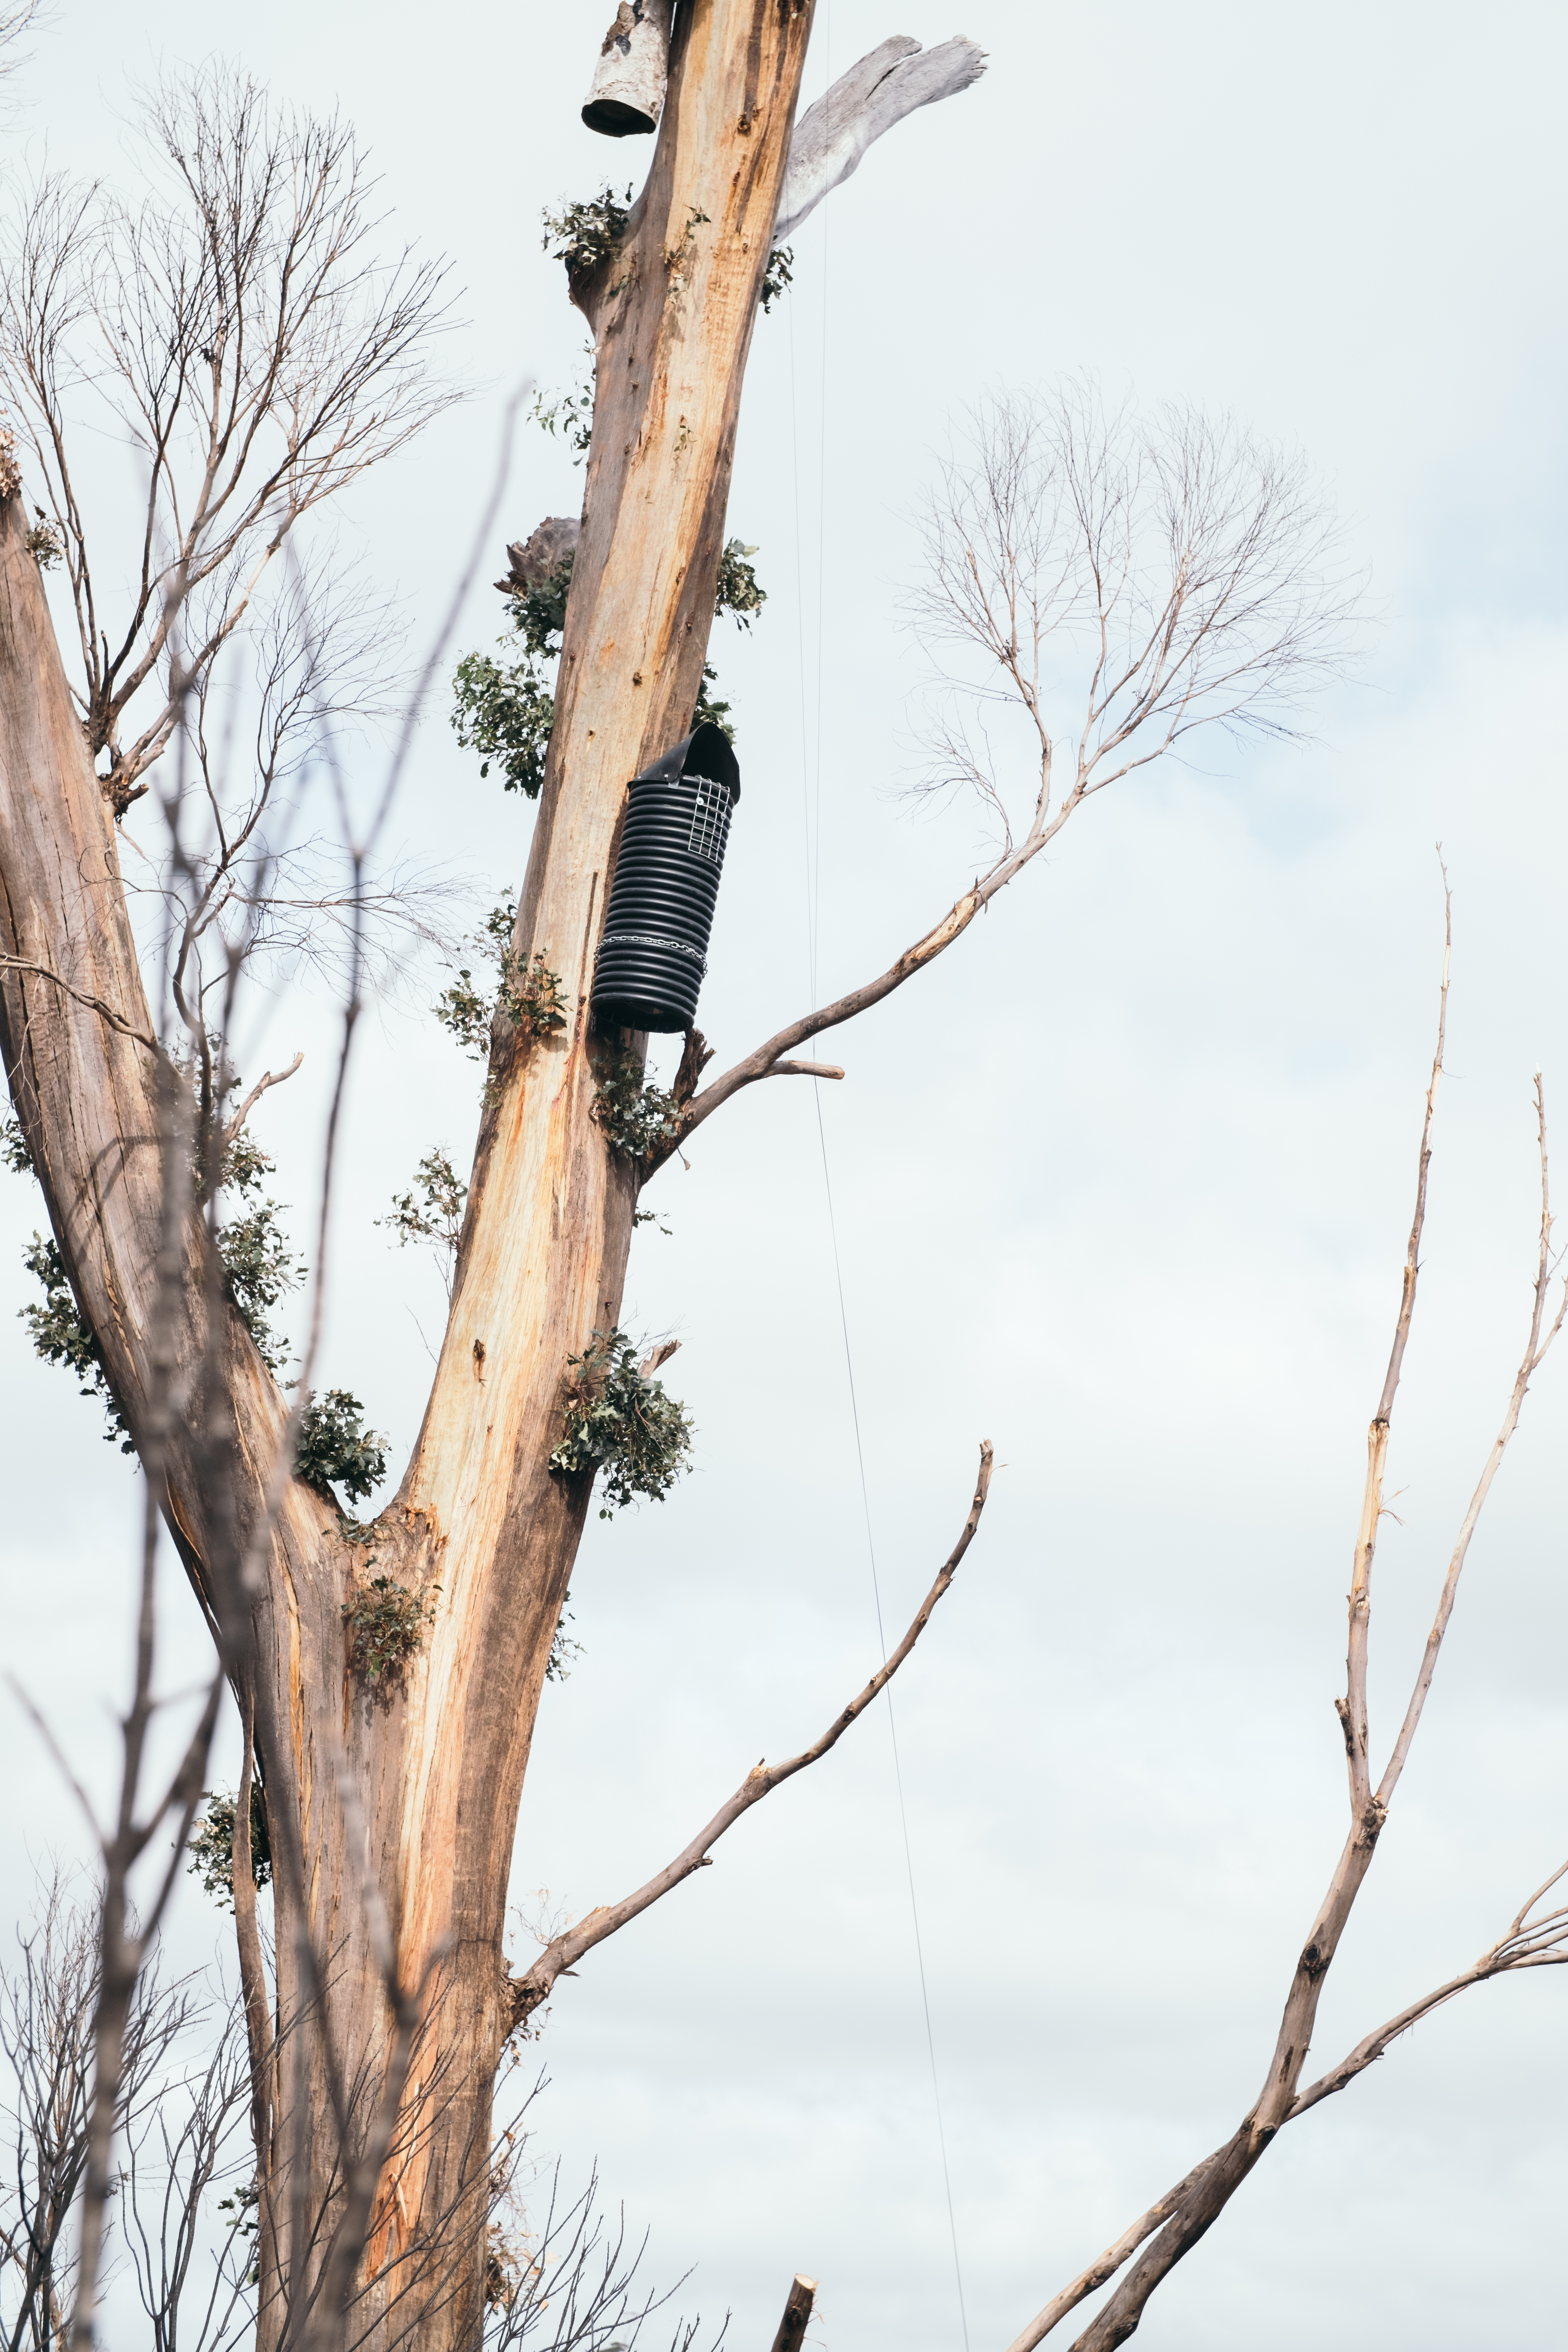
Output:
[[539, 612], [465, 1012], [779, 273], [61, 1335], [634, 1118], [44, 542], [258, 1265], [617, 1420], [336, 1449], [244, 2223], [530, 995], [563, 1648], [431, 1211], [738, 591], [387, 1625], [570, 414], [708, 710], [505, 711], [261, 1267], [535, 1002], [13, 1149], [211, 1845], [585, 235]]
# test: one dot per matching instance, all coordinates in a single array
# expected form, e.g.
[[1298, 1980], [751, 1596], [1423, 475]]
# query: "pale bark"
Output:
[[797, 2317], [435, 1769], [628, 93], [889, 83]]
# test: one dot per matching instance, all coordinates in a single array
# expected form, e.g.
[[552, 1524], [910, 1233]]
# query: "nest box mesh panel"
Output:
[[709, 820], [653, 953]]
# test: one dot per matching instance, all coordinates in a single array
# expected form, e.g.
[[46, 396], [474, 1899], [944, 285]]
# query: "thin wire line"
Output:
[[892, 1730], [811, 789], [821, 526], [800, 651]]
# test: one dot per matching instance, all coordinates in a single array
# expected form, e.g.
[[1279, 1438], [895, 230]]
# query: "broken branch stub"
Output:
[[531, 560], [887, 83], [627, 95], [796, 2313]]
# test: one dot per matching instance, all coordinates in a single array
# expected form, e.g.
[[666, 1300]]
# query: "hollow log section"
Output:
[[436, 1767]]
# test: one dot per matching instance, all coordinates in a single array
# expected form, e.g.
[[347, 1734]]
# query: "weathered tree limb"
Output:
[[1539, 1944], [1533, 1356], [561, 1955], [764, 1063], [1108, 2264], [83, 997], [268, 1078], [1184, 2213], [1351, 1709], [804, 1070], [888, 82], [1544, 1944], [1224, 2173], [796, 2315]]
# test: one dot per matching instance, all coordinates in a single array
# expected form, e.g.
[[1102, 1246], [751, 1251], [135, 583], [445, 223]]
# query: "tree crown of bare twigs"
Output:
[[1197, 572], [247, 343]]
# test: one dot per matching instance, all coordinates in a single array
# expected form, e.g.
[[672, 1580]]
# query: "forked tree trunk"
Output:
[[434, 1770]]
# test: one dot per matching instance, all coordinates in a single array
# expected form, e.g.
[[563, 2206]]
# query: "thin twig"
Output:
[[93, 1003], [561, 1955], [268, 1078], [1352, 1708]]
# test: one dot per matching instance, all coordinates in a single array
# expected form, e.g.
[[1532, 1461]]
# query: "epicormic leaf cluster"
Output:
[[615, 1418]]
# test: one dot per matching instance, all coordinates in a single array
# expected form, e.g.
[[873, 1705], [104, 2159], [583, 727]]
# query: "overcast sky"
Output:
[[1123, 1185]]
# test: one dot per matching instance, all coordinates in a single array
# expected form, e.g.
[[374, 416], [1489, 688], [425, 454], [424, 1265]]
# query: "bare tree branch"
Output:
[[268, 1078], [1538, 1943], [832, 136], [1351, 1708], [93, 1003], [1534, 1355], [1187, 575], [235, 325], [1184, 2216], [1541, 1944], [563, 1954], [1106, 2265]]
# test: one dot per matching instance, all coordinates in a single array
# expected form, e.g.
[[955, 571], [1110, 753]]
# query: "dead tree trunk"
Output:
[[430, 1775]]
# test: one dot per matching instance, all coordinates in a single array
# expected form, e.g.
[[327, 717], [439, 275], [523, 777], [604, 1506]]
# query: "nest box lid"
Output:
[[706, 752]]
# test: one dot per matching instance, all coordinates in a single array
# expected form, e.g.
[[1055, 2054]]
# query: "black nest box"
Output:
[[654, 952]]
